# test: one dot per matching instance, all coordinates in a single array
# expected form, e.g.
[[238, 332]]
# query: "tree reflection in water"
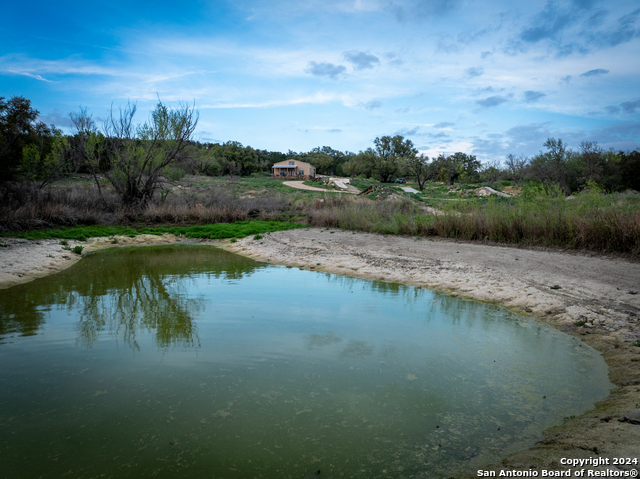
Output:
[[126, 292]]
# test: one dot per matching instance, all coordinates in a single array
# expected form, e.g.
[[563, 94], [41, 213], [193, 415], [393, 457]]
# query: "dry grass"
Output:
[[24, 206], [591, 221], [395, 216]]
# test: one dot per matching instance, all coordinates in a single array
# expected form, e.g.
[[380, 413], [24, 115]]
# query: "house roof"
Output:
[[285, 166]]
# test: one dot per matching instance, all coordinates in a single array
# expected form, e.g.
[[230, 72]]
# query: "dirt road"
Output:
[[301, 186]]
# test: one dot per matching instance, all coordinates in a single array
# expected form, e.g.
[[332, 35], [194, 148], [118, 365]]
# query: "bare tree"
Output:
[[556, 159], [515, 166], [593, 157], [491, 171], [85, 133], [135, 158], [418, 166]]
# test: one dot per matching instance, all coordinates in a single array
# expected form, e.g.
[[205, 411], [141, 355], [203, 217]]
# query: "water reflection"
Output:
[[143, 304], [408, 293], [295, 371], [124, 292]]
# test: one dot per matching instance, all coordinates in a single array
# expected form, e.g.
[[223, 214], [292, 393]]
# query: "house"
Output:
[[289, 169]]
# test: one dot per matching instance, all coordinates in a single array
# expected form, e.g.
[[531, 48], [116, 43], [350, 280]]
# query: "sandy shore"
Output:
[[595, 302]]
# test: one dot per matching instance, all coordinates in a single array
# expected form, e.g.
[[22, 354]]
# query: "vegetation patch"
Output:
[[539, 217], [91, 183], [240, 229]]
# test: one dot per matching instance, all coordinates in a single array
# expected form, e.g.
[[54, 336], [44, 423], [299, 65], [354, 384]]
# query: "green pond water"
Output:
[[191, 362]]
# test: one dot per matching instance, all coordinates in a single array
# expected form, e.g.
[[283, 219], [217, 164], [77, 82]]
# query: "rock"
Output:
[[528, 310], [631, 291], [632, 417], [555, 309]]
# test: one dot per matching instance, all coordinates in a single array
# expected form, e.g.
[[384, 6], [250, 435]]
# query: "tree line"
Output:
[[138, 159]]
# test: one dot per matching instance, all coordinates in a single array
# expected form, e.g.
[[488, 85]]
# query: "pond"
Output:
[[174, 362]]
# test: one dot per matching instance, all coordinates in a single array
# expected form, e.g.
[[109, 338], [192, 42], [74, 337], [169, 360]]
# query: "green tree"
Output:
[[556, 158], [491, 172], [630, 169], [516, 167], [46, 164], [390, 154], [361, 164], [87, 145], [18, 130], [418, 167], [458, 166], [138, 158], [593, 160]]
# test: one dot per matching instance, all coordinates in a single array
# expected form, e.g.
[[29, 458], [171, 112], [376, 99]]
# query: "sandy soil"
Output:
[[301, 186], [595, 302], [22, 261]]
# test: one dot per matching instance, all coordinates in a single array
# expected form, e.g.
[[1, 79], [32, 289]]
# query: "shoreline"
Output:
[[595, 302]]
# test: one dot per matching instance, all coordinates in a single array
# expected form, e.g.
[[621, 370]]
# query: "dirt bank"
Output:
[[594, 302], [22, 261]]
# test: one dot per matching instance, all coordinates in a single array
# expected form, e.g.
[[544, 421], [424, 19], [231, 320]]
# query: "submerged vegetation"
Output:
[[153, 178]]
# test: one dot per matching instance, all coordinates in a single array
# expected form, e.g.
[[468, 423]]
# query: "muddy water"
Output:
[[177, 362]]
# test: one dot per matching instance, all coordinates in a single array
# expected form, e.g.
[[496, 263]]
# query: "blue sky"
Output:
[[482, 77]]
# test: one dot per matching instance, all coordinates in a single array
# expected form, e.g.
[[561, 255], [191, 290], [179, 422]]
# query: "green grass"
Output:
[[363, 184], [239, 229], [267, 182]]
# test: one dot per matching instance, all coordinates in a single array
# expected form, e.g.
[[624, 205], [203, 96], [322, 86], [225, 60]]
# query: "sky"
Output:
[[486, 78]]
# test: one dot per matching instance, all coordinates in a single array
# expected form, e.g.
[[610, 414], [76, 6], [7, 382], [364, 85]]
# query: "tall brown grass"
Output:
[[590, 221], [24, 206], [395, 216], [549, 223]]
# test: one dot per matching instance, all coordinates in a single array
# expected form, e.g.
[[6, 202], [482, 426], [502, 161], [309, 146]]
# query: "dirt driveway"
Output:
[[301, 186]]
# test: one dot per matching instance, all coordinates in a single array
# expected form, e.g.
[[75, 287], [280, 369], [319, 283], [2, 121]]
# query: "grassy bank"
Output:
[[594, 221], [191, 202], [205, 207], [396, 216], [240, 229], [588, 221]]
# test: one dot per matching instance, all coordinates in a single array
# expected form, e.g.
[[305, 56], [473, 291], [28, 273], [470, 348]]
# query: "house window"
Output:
[[292, 162], [301, 172]]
